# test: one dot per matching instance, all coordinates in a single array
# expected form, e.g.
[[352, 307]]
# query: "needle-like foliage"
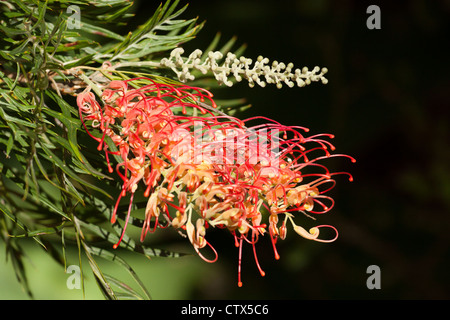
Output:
[[51, 185]]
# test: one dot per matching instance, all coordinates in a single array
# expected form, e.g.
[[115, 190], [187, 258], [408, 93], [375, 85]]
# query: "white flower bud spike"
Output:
[[259, 72]]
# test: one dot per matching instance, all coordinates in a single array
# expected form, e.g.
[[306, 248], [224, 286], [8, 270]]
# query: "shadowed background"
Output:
[[387, 104]]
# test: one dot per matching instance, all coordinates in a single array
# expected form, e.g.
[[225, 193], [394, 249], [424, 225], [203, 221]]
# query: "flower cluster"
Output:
[[259, 72], [213, 171]]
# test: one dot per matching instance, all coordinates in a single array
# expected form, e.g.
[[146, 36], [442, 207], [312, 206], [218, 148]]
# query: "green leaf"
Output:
[[15, 120], [59, 163], [13, 14], [121, 13], [9, 145], [38, 200], [20, 224], [11, 32], [127, 292], [79, 62], [39, 232], [72, 191], [72, 125], [96, 30], [146, 40], [99, 276], [128, 243], [23, 7], [16, 255], [105, 254]]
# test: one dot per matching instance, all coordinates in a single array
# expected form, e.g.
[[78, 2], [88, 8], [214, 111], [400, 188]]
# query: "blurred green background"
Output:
[[387, 102]]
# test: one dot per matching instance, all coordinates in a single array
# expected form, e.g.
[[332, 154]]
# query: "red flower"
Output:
[[215, 171]]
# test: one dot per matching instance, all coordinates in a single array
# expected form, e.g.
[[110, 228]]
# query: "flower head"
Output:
[[259, 72], [213, 171]]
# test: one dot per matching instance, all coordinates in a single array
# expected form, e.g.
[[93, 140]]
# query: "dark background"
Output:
[[387, 104]]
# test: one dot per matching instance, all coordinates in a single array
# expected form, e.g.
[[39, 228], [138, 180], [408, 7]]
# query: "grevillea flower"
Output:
[[214, 170]]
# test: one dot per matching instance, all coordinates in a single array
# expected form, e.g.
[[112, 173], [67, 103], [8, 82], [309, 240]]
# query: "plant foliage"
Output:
[[53, 186]]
